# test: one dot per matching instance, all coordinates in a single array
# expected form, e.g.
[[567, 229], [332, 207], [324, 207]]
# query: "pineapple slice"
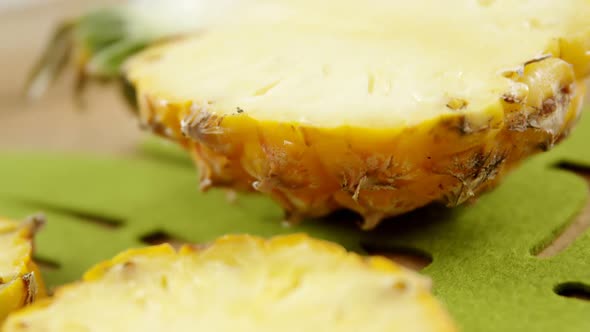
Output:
[[20, 279], [241, 283], [380, 107]]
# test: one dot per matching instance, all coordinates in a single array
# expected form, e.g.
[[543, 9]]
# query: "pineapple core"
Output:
[[241, 283], [372, 64]]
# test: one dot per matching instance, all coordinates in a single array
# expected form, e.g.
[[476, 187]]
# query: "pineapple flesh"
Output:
[[241, 283], [380, 107], [20, 279]]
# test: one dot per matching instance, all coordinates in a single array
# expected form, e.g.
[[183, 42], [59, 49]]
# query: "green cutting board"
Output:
[[484, 264]]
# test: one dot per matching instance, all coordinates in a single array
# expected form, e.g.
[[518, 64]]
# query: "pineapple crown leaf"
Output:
[[51, 62], [98, 44]]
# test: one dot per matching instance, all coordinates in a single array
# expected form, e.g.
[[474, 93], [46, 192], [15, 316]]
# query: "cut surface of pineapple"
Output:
[[20, 279], [245, 283], [375, 64], [380, 107]]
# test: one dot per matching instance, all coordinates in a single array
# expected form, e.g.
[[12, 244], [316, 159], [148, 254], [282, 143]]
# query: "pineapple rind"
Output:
[[378, 173], [20, 278], [256, 283]]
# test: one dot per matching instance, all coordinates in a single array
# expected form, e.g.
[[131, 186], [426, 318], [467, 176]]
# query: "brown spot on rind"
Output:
[[34, 223], [31, 287], [461, 125], [473, 174], [200, 125], [517, 122], [549, 106], [511, 99]]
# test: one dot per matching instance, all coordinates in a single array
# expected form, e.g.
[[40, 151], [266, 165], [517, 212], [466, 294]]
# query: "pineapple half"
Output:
[[380, 107], [241, 283], [20, 279]]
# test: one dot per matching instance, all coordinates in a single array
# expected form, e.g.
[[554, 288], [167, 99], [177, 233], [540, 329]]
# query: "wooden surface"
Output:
[[54, 122], [105, 126]]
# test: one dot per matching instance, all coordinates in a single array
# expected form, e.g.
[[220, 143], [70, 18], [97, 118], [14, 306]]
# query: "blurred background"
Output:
[[54, 122]]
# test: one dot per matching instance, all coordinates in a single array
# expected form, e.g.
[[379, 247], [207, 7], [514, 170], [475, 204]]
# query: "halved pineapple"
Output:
[[380, 107], [241, 283], [376, 106], [20, 279]]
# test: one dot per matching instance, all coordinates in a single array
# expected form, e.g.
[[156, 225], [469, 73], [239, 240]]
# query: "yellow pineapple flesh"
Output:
[[20, 279], [380, 107], [241, 283]]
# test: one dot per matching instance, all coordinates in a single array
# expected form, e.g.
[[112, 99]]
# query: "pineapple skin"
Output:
[[26, 284], [379, 173], [229, 249]]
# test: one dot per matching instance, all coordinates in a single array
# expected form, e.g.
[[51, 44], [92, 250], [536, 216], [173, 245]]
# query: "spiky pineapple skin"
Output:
[[250, 252], [379, 173], [24, 284]]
